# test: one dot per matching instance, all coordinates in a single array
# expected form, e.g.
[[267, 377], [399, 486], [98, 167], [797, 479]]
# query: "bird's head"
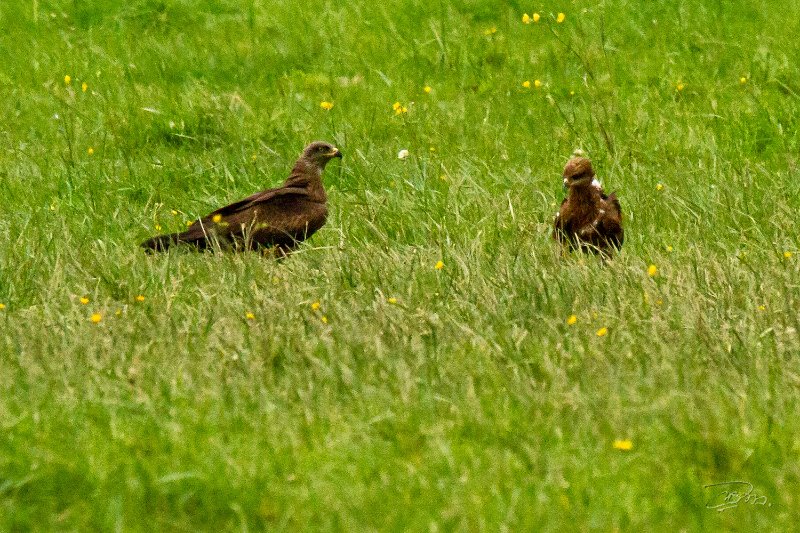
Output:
[[319, 153], [578, 171]]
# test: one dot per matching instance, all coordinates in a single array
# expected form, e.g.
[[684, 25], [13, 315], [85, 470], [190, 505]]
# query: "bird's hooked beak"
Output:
[[334, 153]]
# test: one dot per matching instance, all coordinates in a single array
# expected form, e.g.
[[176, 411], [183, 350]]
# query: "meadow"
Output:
[[355, 385]]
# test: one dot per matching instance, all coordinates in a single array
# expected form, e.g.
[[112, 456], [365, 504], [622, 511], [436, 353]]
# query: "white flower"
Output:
[[402, 154]]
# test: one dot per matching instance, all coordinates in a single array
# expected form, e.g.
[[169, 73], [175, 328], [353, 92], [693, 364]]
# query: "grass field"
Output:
[[367, 389]]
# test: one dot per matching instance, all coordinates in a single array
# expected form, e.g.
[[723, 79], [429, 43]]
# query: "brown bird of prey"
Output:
[[279, 218], [588, 219]]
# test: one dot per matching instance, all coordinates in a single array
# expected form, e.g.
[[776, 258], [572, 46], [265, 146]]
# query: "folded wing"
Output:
[[282, 216]]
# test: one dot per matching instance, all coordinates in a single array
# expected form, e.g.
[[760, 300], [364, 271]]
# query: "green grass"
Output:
[[470, 404]]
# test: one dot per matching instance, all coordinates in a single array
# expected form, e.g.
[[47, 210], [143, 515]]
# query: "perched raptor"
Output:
[[280, 217], [588, 219]]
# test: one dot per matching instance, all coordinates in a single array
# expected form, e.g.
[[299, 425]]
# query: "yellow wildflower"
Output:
[[189, 222], [762, 307], [396, 106], [173, 212], [564, 501], [680, 86], [572, 320], [253, 157], [96, 317], [249, 316], [217, 218], [427, 89], [327, 106], [742, 80], [669, 249], [140, 298], [572, 93], [90, 150], [560, 18], [2, 306], [67, 79], [526, 84], [537, 83], [392, 300], [659, 187], [84, 300], [324, 319], [84, 86], [526, 19], [158, 227], [652, 271], [624, 445], [536, 17], [787, 254], [490, 31], [315, 306], [439, 265], [602, 332]]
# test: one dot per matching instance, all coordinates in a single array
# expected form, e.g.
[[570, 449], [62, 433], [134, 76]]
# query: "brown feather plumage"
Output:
[[280, 217], [588, 220]]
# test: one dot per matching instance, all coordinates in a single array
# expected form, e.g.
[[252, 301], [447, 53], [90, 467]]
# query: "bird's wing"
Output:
[[259, 197], [281, 215], [613, 201], [560, 210], [611, 222], [243, 204], [559, 222]]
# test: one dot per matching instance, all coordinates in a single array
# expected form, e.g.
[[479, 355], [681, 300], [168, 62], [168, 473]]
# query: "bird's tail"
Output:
[[160, 243]]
